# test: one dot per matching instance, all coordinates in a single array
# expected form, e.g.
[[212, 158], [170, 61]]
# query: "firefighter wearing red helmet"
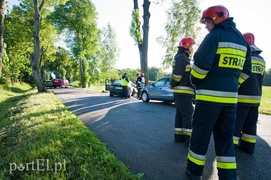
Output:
[[183, 91], [221, 63], [249, 98]]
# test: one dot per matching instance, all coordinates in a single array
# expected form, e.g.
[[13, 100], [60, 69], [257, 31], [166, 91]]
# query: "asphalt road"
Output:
[[141, 136]]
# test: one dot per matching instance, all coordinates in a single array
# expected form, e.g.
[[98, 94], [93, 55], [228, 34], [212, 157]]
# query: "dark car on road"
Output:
[[158, 90], [115, 89]]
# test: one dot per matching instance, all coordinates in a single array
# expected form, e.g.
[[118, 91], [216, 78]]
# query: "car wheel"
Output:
[[145, 97]]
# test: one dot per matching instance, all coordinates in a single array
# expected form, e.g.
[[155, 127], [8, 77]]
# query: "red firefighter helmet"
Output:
[[216, 13], [186, 42], [249, 37]]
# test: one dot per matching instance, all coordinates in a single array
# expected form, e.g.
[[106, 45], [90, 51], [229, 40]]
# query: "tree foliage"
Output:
[[267, 78], [18, 38], [78, 18], [182, 20], [108, 53]]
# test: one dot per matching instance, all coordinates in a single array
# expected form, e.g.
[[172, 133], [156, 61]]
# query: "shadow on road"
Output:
[[141, 135]]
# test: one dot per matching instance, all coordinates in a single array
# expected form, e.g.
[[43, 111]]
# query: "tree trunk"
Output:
[[82, 72], [145, 45], [36, 57], [2, 17]]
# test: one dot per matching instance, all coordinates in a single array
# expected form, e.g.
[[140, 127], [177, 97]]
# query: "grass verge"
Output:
[[41, 139], [265, 107]]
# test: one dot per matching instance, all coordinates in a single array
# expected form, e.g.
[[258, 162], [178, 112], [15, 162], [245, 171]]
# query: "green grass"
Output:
[[41, 139], [265, 107]]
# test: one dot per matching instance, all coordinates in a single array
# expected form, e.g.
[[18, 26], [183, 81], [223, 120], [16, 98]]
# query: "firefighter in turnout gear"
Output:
[[249, 97], [183, 91], [221, 63]]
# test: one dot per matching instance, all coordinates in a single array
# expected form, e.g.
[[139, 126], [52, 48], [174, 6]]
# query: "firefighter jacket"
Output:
[[221, 63], [250, 92], [180, 77]]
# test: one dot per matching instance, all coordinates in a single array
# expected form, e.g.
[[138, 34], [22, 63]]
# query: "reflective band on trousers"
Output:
[[183, 89], [236, 140], [249, 99], [196, 158], [226, 162], [248, 138], [216, 96], [183, 131]]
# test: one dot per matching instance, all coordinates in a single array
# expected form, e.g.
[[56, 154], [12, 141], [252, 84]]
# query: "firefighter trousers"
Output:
[[246, 128], [183, 118], [219, 120]]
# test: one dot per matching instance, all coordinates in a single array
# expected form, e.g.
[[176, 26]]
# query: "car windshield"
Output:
[[162, 82]]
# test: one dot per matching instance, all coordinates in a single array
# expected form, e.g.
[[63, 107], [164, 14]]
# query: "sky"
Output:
[[249, 16]]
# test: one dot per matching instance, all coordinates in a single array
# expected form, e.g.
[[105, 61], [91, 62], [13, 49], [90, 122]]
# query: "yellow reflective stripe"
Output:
[[178, 131], [176, 78], [196, 161], [258, 60], [183, 89], [188, 68], [187, 132], [248, 138], [226, 165], [226, 162], [230, 51], [249, 99], [231, 55], [242, 78], [236, 140], [232, 45], [231, 61], [198, 73], [216, 96], [216, 99], [258, 65]]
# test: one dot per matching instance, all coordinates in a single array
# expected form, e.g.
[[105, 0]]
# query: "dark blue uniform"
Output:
[[183, 93], [221, 63], [249, 97]]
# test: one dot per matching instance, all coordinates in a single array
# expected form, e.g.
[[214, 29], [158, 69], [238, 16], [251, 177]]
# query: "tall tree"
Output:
[[108, 53], [2, 17], [18, 38], [182, 19], [79, 19], [36, 57], [135, 32]]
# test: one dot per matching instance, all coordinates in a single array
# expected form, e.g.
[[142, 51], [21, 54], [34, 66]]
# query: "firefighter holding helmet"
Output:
[[249, 98], [183, 90], [221, 63]]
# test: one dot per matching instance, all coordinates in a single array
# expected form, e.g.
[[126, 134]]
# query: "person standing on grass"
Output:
[[221, 63], [249, 98]]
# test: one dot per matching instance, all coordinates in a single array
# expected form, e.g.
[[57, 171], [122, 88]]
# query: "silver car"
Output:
[[158, 90]]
